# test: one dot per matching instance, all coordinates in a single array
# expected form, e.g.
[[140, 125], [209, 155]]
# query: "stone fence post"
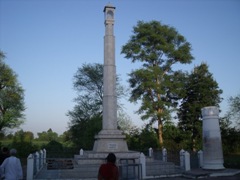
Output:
[[44, 156], [187, 166], [81, 152], [41, 159], [37, 161], [143, 163], [30, 167], [200, 158], [182, 162], [150, 152], [164, 154]]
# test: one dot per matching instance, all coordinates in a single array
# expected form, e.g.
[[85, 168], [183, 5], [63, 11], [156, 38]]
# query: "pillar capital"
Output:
[[210, 111]]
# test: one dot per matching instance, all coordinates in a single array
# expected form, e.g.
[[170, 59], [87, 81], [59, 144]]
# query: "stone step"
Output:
[[158, 168], [60, 164]]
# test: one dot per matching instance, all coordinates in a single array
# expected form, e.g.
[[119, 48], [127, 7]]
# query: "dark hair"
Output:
[[5, 149], [111, 158]]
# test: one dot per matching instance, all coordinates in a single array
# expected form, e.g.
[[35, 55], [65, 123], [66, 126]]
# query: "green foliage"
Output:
[[234, 110], [23, 143], [230, 137], [47, 136], [158, 47], [83, 132], [173, 138], [11, 98], [53, 146], [143, 139], [124, 122], [88, 82], [200, 90], [232, 161], [86, 116]]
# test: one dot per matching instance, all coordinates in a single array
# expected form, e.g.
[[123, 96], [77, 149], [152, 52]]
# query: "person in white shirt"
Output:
[[11, 167]]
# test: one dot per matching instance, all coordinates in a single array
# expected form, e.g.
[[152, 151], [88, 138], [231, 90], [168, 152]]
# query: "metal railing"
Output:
[[129, 169]]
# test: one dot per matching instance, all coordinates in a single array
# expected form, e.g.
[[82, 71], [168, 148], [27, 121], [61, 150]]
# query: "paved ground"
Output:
[[226, 174], [236, 177]]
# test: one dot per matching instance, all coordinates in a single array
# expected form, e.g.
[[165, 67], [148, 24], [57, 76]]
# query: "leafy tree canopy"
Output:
[[158, 47], [86, 116], [47, 136], [11, 98], [234, 110], [200, 90]]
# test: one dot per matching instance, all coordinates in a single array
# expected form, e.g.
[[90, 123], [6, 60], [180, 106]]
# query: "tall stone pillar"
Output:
[[212, 143], [109, 139]]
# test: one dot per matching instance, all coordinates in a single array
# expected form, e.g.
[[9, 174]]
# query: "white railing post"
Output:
[[181, 153], [143, 163], [150, 152], [200, 158], [41, 159], [30, 167], [81, 152], [164, 154], [187, 161], [44, 156], [37, 161]]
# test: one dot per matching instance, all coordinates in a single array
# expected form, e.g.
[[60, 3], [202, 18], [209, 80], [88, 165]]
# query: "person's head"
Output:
[[111, 158], [13, 152]]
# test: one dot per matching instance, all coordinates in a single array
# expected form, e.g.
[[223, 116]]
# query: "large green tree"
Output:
[[158, 47], [11, 98], [200, 90]]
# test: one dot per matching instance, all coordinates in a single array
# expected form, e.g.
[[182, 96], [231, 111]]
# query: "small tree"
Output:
[[11, 98], [234, 110], [142, 139], [230, 136], [200, 90], [86, 116], [158, 47]]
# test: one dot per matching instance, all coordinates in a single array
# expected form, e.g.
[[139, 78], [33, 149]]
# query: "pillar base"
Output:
[[110, 141], [213, 166]]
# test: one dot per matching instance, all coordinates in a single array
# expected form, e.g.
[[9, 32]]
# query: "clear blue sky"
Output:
[[45, 41]]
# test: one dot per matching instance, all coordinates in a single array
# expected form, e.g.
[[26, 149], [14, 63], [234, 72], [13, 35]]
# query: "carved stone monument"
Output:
[[109, 139], [212, 142]]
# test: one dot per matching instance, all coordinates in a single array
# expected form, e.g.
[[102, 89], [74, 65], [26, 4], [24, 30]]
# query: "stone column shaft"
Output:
[[109, 81], [212, 143]]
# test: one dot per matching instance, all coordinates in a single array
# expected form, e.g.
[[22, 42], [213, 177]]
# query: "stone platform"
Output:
[[155, 170], [200, 173]]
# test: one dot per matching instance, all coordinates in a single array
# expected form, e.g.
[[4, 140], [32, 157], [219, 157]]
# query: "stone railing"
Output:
[[35, 163], [184, 157]]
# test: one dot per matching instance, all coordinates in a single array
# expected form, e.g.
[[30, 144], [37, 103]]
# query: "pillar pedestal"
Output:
[[110, 141]]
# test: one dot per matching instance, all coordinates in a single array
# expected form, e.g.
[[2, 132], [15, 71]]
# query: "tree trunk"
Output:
[[160, 132]]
